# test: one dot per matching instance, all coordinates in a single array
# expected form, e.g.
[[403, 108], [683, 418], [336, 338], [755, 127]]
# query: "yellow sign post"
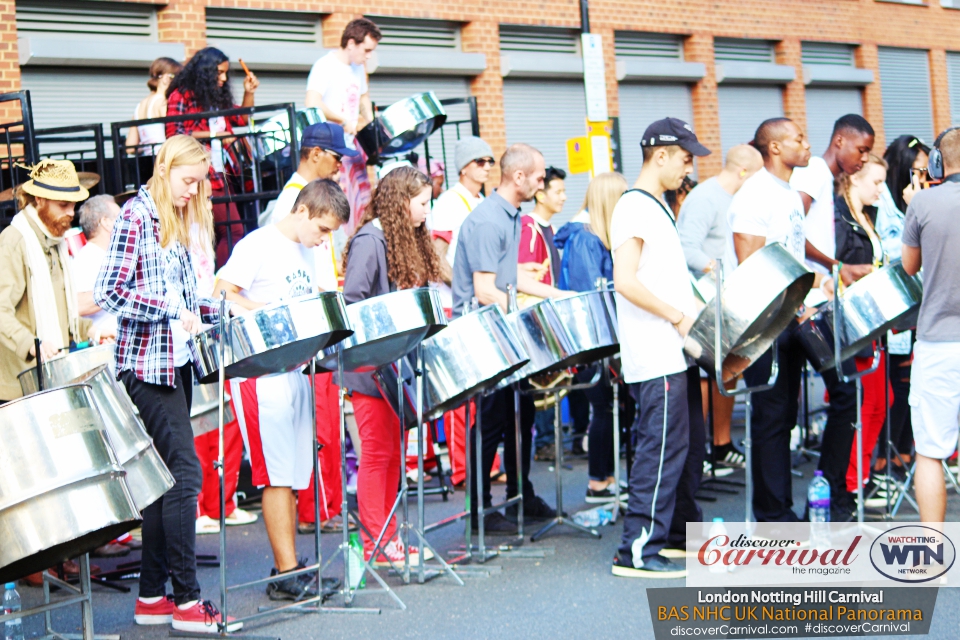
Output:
[[579, 155], [600, 149]]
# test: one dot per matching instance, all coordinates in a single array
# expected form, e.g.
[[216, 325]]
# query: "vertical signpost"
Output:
[[595, 86]]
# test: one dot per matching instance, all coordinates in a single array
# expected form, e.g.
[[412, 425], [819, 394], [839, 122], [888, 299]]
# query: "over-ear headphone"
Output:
[[935, 160]]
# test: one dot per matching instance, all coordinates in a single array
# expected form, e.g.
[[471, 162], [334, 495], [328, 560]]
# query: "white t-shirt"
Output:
[[449, 211], [816, 180], [767, 206], [85, 267], [649, 345], [325, 258], [340, 85], [173, 277], [270, 267]]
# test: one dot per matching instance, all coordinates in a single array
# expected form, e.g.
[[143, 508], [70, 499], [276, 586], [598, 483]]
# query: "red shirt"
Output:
[[536, 245], [179, 104]]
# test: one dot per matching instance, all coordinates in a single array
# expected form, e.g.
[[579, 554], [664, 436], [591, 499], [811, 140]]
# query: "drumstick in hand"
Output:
[[246, 69]]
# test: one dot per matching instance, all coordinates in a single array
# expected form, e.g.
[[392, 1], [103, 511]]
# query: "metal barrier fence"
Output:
[[16, 147]]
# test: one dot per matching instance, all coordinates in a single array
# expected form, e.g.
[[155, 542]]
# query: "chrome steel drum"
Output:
[[274, 134], [205, 347], [869, 308], [402, 126], [591, 322], [203, 408], [62, 369], [147, 476], [475, 352], [760, 300], [277, 338], [544, 338], [62, 490], [386, 328]]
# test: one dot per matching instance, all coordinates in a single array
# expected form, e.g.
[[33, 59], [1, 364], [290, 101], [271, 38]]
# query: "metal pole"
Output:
[[86, 605], [316, 475], [421, 435], [518, 441], [748, 461], [480, 471], [403, 536], [222, 624], [886, 406], [344, 505], [859, 451], [616, 446], [469, 430]]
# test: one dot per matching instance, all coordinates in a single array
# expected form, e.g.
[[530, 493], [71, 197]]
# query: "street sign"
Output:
[[594, 80], [579, 155]]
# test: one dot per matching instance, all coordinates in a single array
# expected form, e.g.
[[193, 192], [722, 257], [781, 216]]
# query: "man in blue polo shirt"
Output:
[[486, 263]]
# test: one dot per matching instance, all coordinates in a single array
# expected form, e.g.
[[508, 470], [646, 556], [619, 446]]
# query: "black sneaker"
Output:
[[537, 509], [727, 455], [546, 453], [495, 524], [296, 588], [605, 495], [656, 567]]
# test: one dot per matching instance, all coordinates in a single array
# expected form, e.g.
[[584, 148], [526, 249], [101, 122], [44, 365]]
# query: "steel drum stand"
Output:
[[614, 380], [560, 519], [746, 392]]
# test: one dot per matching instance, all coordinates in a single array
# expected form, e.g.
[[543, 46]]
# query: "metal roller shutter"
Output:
[[274, 87], [641, 104], [742, 109], [69, 96], [824, 107], [905, 92], [953, 80], [544, 114]]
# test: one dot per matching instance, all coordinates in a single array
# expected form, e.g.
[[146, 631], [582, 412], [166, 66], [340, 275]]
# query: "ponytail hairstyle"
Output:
[[602, 195], [179, 151]]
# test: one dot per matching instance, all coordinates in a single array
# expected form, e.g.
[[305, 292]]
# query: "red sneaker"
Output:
[[202, 617], [160, 612]]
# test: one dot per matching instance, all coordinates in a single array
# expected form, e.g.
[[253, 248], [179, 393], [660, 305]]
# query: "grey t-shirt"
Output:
[[703, 227], [933, 224], [489, 241]]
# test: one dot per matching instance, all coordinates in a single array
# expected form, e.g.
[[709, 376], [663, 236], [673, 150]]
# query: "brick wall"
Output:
[[183, 21], [9, 60]]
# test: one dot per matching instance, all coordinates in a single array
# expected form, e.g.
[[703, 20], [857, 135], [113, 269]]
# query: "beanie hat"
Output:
[[469, 149]]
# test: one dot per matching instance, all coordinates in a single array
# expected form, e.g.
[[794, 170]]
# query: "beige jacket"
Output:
[[17, 324]]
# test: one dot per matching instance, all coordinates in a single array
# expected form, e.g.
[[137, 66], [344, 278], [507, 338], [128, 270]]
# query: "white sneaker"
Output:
[[238, 517], [207, 525], [720, 471], [394, 551]]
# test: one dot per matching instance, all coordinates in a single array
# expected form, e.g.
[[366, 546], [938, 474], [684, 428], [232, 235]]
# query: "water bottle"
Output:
[[717, 529], [591, 518], [12, 629], [818, 501], [355, 559]]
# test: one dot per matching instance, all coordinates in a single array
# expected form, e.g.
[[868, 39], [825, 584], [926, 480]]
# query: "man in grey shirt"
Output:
[[931, 234], [487, 252]]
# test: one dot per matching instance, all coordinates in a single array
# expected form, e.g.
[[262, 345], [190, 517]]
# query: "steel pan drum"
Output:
[[386, 328], [274, 134], [62, 490], [206, 355], [545, 339], [402, 126], [475, 352], [760, 300], [591, 322], [869, 308], [203, 409], [62, 369]]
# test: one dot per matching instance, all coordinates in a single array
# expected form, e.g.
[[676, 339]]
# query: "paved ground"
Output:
[[567, 593]]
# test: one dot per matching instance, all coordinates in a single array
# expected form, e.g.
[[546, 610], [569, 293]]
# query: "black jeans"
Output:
[[901, 428], [169, 524], [600, 433], [840, 430], [687, 509], [497, 425]]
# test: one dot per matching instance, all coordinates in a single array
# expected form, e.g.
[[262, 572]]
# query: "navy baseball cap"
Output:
[[326, 135], [670, 131]]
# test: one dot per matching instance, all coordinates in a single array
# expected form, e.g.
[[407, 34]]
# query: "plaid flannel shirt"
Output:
[[131, 286], [179, 104]]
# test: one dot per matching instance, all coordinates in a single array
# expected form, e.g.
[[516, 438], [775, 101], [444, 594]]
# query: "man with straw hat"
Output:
[[37, 299]]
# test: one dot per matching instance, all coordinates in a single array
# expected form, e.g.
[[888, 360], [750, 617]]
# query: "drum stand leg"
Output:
[[748, 460], [557, 467], [617, 504]]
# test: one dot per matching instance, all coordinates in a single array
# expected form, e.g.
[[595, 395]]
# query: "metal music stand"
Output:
[[746, 392], [613, 379]]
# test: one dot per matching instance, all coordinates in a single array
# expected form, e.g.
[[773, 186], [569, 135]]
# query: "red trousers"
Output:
[[328, 435], [208, 449], [874, 413], [378, 478], [455, 427]]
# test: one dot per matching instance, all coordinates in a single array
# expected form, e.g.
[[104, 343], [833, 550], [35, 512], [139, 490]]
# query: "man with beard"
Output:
[[37, 298]]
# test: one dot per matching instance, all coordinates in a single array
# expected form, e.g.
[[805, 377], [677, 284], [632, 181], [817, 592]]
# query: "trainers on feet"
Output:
[[537, 509], [299, 587], [240, 517], [496, 524], [677, 551], [727, 455], [394, 553], [604, 495], [206, 524], [657, 567], [202, 617], [159, 612]]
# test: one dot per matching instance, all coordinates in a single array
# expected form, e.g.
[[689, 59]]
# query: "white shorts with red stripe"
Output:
[[274, 415]]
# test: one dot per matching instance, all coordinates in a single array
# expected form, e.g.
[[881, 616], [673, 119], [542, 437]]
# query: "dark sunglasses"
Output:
[[336, 156], [485, 162]]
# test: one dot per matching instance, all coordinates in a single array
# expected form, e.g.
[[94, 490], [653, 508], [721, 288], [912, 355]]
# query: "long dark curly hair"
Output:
[[411, 259], [199, 76]]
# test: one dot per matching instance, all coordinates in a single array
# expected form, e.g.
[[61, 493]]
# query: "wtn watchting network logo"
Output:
[[912, 553]]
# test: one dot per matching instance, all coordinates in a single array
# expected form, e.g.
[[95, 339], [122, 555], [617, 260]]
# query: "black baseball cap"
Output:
[[326, 135], [670, 131]]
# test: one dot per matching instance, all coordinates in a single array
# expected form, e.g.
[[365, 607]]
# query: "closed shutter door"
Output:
[[641, 104], [825, 107], [544, 114], [742, 109], [69, 96], [905, 91], [275, 87], [953, 78]]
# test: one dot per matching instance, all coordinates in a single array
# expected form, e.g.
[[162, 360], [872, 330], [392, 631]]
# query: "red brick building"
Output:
[[724, 64]]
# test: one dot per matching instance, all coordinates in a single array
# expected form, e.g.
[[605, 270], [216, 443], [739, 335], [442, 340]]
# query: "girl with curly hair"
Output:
[[392, 250]]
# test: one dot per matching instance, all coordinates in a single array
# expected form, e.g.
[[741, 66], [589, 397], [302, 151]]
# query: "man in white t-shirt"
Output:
[[97, 216], [655, 311], [766, 210], [274, 264], [850, 145]]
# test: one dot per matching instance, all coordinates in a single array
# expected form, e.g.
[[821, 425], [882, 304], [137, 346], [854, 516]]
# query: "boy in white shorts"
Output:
[[274, 264], [931, 234]]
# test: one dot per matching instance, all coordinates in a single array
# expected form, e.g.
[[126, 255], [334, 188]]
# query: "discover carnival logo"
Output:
[[912, 553]]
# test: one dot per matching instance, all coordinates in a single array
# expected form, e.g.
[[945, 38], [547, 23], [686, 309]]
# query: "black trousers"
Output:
[[687, 509], [497, 425], [901, 428], [600, 430], [840, 430], [169, 524], [579, 403]]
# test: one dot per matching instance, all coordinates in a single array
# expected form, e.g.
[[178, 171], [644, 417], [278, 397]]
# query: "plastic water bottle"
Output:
[[591, 518], [818, 500], [358, 580], [12, 629], [717, 529]]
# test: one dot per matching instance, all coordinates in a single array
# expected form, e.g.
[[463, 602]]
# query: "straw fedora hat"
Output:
[[55, 180]]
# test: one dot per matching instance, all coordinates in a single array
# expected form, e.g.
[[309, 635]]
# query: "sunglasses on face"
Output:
[[336, 156], [485, 162]]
